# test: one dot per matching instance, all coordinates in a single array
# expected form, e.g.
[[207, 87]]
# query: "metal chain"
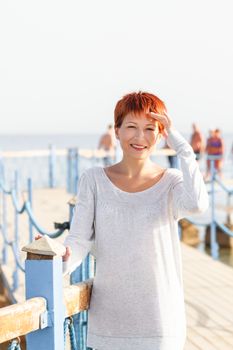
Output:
[[14, 345], [69, 327]]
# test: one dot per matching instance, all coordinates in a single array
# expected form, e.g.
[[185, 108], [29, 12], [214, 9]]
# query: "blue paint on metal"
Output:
[[72, 170], [69, 327], [82, 273], [4, 229], [15, 273], [69, 173], [52, 163], [76, 170], [44, 278], [75, 277], [16, 213], [29, 186], [213, 241]]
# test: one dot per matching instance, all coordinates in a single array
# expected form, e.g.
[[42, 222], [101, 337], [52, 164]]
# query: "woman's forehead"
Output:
[[140, 116]]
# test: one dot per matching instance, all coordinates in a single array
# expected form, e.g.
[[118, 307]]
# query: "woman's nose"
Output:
[[139, 133]]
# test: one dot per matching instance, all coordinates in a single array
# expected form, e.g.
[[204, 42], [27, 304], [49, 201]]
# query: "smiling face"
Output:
[[138, 135]]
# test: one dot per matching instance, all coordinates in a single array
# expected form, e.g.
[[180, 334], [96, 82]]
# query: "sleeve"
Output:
[[81, 236], [189, 193]]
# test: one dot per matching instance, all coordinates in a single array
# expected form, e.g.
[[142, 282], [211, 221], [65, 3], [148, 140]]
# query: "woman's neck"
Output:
[[135, 167]]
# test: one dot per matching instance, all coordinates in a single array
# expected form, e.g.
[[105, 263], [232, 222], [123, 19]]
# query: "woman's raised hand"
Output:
[[67, 254], [164, 119]]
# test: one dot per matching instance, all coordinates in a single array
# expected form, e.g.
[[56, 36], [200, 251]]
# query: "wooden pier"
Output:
[[208, 288]]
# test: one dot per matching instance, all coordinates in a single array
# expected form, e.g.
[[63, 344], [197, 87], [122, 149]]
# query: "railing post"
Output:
[[213, 241], [76, 170], [29, 188], [4, 221], [43, 273], [15, 273], [69, 172], [229, 214], [52, 162]]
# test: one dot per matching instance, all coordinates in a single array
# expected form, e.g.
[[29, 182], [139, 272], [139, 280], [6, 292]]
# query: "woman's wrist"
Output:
[[170, 129]]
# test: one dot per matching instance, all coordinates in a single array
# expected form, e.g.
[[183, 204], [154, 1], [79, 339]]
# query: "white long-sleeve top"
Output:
[[137, 299]]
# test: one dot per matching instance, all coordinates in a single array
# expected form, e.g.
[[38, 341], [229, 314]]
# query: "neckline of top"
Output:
[[157, 184]]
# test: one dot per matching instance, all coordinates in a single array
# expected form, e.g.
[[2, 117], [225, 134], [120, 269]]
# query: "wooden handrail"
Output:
[[22, 318], [77, 297]]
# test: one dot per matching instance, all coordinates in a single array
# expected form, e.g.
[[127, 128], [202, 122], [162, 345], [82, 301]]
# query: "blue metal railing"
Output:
[[84, 271], [48, 159], [26, 207], [214, 223]]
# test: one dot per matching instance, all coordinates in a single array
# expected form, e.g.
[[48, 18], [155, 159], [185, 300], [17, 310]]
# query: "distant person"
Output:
[[107, 143], [215, 147], [197, 142]]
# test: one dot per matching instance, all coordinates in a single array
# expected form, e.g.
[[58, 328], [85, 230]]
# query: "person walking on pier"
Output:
[[197, 142], [107, 143], [129, 213]]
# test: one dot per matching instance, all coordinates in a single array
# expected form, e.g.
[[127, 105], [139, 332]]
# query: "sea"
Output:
[[37, 168]]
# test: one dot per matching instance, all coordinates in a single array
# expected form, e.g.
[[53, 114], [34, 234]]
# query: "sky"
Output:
[[65, 64]]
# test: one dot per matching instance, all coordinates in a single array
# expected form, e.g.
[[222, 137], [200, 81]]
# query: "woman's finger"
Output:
[[67, 254], [162, 118], [157, 115]]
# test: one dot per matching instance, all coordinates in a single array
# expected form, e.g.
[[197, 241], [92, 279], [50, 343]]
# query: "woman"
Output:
[[129, 212]]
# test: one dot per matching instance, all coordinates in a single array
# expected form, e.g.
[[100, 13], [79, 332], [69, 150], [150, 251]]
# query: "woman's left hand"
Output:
[[164, 119]]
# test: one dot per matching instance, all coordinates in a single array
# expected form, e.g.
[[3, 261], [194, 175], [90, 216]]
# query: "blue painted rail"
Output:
[[78, 325], [214, 222], [26, 207], [60, 166]]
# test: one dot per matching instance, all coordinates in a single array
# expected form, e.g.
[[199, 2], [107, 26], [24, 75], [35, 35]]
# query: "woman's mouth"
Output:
[[138, 147]]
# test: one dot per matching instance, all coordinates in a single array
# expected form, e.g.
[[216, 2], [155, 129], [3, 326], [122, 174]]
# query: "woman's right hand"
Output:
[[67, 254]]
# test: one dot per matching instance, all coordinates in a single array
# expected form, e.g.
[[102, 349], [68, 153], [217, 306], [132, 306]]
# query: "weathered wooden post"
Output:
[[43, 271]]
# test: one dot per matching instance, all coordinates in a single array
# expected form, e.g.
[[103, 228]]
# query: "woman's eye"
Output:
[[150, 129], [131, 126]]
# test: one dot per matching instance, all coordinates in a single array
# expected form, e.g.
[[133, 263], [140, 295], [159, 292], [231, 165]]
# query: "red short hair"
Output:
[[138, 102]]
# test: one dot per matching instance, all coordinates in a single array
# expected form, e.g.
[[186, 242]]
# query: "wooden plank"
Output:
[[190, 346], [200, 342], [77, 297], [216, 340], [20, 319], [208, 301]]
